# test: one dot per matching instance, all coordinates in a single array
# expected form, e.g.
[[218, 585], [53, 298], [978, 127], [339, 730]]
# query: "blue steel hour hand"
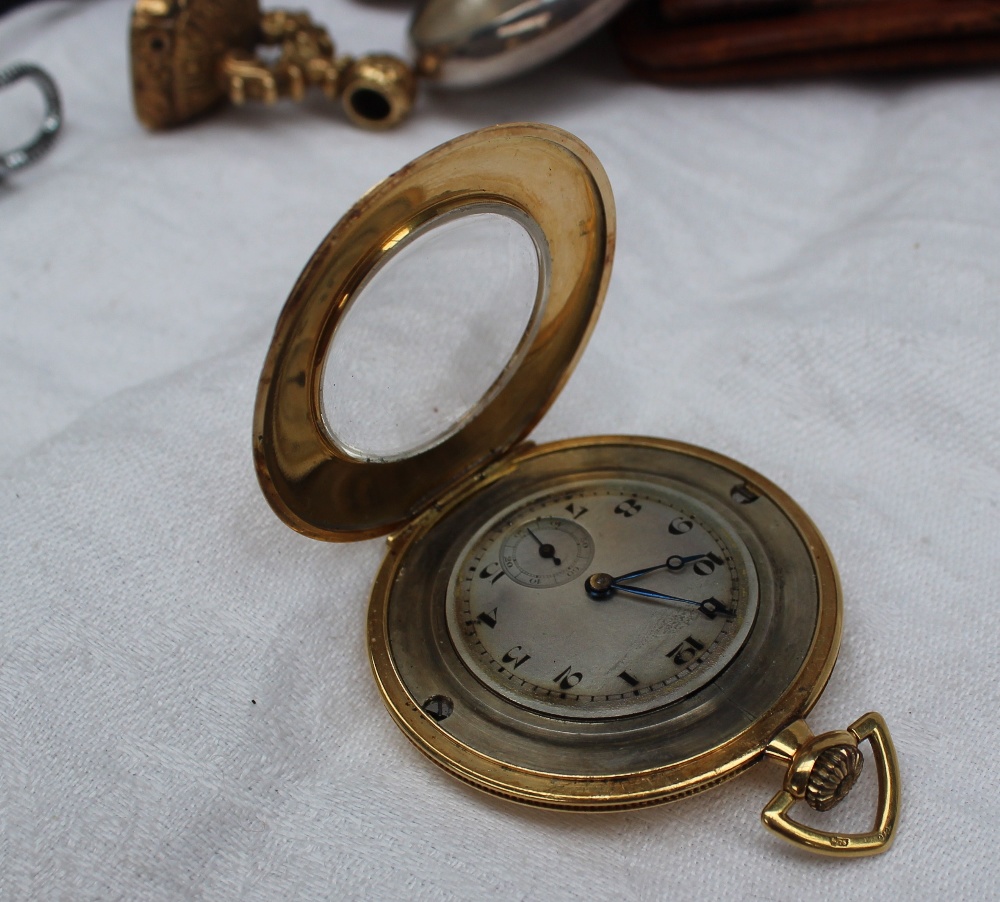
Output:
[[600, 585]]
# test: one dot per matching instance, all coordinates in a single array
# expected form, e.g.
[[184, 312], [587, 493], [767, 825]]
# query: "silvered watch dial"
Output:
[[603, 599]]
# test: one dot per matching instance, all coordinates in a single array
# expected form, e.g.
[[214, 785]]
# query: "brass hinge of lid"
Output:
[[461, 487]]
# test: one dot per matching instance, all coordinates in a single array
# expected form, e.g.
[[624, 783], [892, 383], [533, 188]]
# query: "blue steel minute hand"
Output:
[[674, 563], [601, 585]]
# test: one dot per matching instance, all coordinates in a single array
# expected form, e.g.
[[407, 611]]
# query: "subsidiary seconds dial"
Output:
[[603, 599], [546, 552]]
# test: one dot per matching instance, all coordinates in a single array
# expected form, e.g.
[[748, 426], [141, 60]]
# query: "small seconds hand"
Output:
[[544, 548]]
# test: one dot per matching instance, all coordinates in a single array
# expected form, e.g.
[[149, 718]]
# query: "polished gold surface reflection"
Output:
[[538, 173], [806, 755]]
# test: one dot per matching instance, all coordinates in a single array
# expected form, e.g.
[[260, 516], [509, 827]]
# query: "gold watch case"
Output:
[[432, 502]]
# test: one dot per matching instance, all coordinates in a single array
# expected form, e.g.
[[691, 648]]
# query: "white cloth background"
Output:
[[807, 280]]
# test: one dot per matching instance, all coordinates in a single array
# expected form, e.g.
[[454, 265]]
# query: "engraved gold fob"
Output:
[[191, 56]]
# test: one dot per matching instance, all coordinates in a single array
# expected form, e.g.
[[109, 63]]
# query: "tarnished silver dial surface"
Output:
[[603, 599]]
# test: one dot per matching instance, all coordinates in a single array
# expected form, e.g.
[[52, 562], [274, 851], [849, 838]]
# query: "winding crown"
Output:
[[833, 775]]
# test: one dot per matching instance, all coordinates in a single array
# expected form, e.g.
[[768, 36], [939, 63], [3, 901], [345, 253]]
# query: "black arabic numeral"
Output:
[[707, 564], [628, 508], [489, 618], [712, 607], [492, 572], [686, 651], [575, 511], [679, 525], [515, 656], [567, 680]]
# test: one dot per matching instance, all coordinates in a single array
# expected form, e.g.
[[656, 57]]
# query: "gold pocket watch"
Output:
[[594, 624]]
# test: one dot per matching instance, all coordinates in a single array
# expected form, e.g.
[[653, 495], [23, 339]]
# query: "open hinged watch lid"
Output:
[[533, 189]]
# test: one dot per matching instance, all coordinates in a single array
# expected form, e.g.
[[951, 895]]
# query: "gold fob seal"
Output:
[[191, 56]]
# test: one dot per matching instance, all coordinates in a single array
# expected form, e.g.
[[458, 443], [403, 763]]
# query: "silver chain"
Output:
[[38, 146]]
